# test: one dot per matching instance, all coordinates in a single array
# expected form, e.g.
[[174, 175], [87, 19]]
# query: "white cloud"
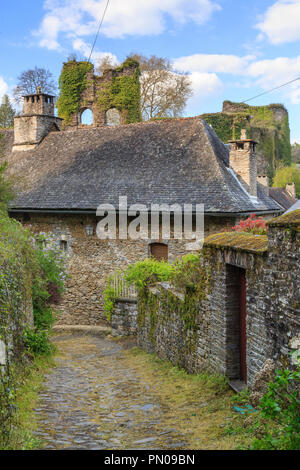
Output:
[[85, 49], [215, 63], [205, 85], [275, 72], [3, 87], [280, 23], [262, 74], [77, 18]]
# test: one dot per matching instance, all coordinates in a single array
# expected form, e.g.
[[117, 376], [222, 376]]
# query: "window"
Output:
[[87, 118], [159, 251], [63, 244], [112, 117]]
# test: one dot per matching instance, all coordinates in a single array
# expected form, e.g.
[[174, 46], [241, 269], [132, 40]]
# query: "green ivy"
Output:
[[261, 124], [123, 93], [72, 83]]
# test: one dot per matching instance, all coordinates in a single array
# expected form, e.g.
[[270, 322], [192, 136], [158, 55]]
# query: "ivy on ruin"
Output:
[[72, 83], [123, 92]]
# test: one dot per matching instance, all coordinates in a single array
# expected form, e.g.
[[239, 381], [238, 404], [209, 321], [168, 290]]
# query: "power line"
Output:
[[100, 24], [273, 89]]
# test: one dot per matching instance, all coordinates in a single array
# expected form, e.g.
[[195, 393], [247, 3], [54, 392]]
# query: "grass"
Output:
[[30, 383], [200, 406]]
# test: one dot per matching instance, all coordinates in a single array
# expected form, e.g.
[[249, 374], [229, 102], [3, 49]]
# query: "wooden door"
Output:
[[243, 327], [159, 251]]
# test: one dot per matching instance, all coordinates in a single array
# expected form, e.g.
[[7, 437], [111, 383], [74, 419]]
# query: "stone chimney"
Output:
[[264, 181], [291, 189], [36, 121], [242, 160]]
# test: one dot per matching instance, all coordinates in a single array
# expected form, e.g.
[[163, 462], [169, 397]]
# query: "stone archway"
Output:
[[112, 117], [86, 117]]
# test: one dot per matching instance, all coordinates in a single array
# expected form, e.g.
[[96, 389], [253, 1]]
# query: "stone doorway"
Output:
[[236, 333]]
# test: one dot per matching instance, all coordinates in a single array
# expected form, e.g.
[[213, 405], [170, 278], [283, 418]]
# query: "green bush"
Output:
[[281, 405], [38, 342], [148, 272]]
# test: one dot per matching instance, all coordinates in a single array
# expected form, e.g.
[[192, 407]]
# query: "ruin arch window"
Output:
[[86, 117], [112, 117], [159, 251]]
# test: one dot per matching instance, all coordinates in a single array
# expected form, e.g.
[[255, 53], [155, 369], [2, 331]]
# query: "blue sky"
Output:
[[233, 49]]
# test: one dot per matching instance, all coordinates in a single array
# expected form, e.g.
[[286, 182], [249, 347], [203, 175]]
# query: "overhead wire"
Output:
[[100, 24], [273, 89]]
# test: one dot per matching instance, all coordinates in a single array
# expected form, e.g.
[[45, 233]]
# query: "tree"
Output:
[[104, 64], [7, 113], [30, 79], [296, 153], [287, 175], [164, 92]]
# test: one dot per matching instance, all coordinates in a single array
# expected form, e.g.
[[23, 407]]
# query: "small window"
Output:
[[240, 146], [159, 251], [112, 117], [87, 117], [63, 244]]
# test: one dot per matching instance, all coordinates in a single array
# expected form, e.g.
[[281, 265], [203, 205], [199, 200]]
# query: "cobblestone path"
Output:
[[92, 399]]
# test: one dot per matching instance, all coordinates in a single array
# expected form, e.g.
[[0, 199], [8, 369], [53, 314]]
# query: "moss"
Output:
[[286, 220], [238, 241]]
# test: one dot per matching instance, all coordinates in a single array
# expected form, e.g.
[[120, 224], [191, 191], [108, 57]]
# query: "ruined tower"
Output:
[[111, 99], [35, 122]]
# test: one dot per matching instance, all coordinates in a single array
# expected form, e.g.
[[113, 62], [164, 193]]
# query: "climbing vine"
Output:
[[72, 82], [262, 124], [123, 92]]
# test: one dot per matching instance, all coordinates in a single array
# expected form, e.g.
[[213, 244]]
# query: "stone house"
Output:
[[63, 175]]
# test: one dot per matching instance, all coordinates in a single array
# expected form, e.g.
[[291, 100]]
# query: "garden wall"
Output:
[[205, 333]]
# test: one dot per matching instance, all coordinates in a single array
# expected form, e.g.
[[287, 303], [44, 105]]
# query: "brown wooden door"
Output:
[[243, 328]]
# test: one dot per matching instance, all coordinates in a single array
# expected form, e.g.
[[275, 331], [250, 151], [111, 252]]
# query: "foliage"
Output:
[[7, 113], [281, 404], [190, 274], [254, 225], [72, 83], [262, 124], [30, 80], [287, 175], [26, 268], [164, 91], [123, 92], [6, 188], [296, 153], [148, 272], [109, 297]]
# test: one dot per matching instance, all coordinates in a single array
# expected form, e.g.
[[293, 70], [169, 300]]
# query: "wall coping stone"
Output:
[[238, 241], [291, 219]]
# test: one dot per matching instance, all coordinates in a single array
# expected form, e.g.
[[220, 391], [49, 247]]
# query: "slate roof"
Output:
[[168, 161], [282, 197]]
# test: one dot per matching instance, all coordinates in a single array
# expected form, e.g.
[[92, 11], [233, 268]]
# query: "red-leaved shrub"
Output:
[[254, 225]]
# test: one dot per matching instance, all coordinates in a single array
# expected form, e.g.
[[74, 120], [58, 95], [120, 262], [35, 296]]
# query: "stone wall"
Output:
[[91, 261], [272, 306], [124, 317]]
